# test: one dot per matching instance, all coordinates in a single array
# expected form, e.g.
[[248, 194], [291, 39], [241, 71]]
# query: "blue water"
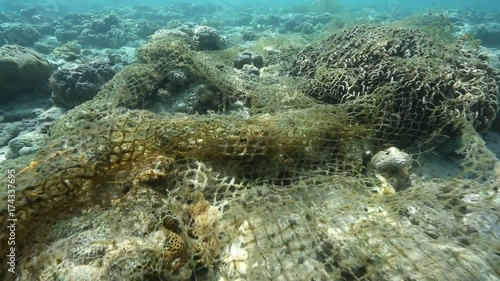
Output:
[[431, 4], [70, 5]]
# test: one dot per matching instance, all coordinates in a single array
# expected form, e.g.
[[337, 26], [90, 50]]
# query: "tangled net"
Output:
[[287, 193], [418, 83]]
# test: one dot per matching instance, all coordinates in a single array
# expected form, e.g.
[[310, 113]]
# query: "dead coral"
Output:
[[417, 85]]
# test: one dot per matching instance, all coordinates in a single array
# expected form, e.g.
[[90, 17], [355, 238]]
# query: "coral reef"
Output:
[[185, 167], [417, 83], [224, 197]]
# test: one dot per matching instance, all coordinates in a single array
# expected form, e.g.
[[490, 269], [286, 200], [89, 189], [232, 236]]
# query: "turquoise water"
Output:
[[235, 4]]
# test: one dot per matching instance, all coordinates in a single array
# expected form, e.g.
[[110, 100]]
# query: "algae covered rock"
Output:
[[21, 70], [129, 242], [75, 85], [248, 57], [208, 38], [25, 144]]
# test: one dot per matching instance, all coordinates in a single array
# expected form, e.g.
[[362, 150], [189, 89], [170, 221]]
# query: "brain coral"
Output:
[[416, 83]]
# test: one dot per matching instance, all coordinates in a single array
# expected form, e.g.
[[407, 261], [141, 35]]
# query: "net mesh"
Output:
[[287, 193]]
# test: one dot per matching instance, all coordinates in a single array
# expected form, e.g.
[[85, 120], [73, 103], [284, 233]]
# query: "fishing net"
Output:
[[309, 185]]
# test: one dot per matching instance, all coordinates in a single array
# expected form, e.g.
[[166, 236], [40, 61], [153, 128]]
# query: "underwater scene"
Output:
[[314, 140]]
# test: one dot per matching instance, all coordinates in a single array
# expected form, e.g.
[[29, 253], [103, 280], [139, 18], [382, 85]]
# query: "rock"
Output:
[[306, 27], [197, 98], [177, 77], [488, 33], [249, 35], [393, 165], [9, 131], [250, 58], [391, 160], [241, 60], [46, 45], [21, 70], [207, 38], [27, 150], [483, 222], [50, 114], [69, 51], [75, 85], [322, 18], [29, 143], [250, 69], [493, 58], [21, 34], [291, 25], [64, 35]]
